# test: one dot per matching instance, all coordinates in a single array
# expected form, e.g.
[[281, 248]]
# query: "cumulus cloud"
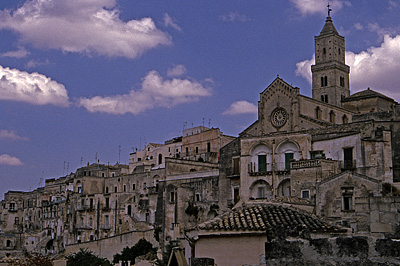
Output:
[[84, 26], [170, 22], [358, 26], [9, 134], [233, 17], [154, 92], [374, 27], [377, 68], [33, 88], [317, 6], [20, 53], [241, 107], [176, 71], [6, 159]]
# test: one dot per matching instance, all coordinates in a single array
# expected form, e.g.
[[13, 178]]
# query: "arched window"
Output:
[[286, 152], [284, 189], [345, 120], [260, 189], [318, 113], [260, 161], [332, 117]]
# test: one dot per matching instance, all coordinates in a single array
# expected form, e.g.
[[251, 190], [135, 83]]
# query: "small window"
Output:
[[107, 203], [160, 158], [133, 186], [139, 159], [305, 194], [347, 202], [106, 189], [16, 220], [124, 188], [197, 150], [197, 197], [345, 120], [332, 117], [144, 185], [317, 113], [115, 189], [208, 147], [172, 197], [341, 81], [187, 151], [324, 50]]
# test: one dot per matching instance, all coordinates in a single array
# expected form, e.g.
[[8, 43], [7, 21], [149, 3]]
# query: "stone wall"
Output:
[[108, 247], [355, 250]]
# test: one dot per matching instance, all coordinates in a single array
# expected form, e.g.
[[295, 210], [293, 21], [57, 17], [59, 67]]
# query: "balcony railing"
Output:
[[305, 164], [256, 170]]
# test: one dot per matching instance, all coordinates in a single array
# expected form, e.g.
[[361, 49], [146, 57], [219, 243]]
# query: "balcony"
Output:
[[256, 170], [305, 164]]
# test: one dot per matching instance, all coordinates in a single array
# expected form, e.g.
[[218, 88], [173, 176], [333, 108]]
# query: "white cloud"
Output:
[[34, 88], [9, 134], [358, 26], [20, 53], [170, 22], [241, 107], [374, 27], [10, 160], [233, 17], [176, 71], [317, 6], [84, 26], [377, 68], [155, 92]]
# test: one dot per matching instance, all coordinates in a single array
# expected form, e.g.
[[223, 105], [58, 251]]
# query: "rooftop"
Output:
[[263, 217]]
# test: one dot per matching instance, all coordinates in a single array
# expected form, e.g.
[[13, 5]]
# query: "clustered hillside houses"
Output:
[[312, 180]]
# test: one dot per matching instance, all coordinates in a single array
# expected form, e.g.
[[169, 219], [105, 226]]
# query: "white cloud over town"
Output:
[[33, 88], [377, 68], [83, 26], [317, 6], [170, 22], [233, 17], [10, 134], [176, 71], [6, 159], [155, 92], [20, 53], [241, 107]]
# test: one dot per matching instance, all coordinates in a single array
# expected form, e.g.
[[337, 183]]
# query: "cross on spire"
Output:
[[329, 10]]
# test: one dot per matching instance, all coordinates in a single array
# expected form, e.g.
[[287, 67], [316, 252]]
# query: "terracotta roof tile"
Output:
[[263, 217]]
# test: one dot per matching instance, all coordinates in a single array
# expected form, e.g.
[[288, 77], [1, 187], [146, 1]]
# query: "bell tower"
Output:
[[330, 74]]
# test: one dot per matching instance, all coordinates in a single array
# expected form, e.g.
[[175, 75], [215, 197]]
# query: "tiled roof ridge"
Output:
[[266, 216]]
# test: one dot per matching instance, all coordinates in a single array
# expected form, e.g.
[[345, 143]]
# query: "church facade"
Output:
[[332, 154]]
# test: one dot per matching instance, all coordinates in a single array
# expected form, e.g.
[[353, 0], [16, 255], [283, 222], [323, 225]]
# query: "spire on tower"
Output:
[[329, 10]]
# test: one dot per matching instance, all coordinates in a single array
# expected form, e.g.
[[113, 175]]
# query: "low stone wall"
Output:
[[333, 251], [108, 247]]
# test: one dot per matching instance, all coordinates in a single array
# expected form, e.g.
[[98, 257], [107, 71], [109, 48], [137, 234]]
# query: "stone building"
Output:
[[161, 188]]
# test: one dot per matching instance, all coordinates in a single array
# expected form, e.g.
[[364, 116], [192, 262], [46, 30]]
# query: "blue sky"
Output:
[[87, 79]]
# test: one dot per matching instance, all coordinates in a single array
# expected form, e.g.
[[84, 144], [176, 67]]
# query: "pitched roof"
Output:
[[328, 27], [368, 93], [262, 217]]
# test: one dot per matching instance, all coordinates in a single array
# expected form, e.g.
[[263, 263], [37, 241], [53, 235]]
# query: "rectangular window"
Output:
[[124, 188], [90, 222], [305, 194], [261, 192], [115, 189], [107, 203], [133, 186], [197, 150], [208, 147], [236, 164], [347, 202], [236, 195], [262, 163], [187, 151], [91, 204], [12, 207], [172, 197], [16, 220], [106, 221], [288, 157], [348, 158]]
